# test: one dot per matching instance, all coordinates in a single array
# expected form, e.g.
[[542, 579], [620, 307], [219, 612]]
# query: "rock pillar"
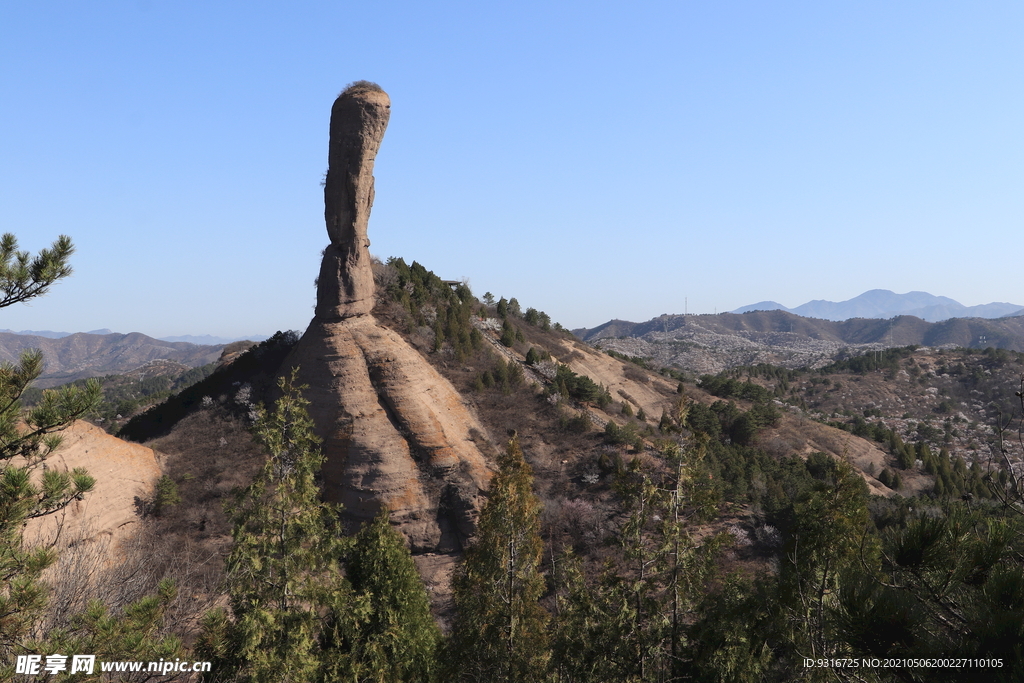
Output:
[[358, 121], [395, 432]]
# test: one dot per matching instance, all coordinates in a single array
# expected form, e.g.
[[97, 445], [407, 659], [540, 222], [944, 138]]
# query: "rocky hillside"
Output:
[[953, 399]]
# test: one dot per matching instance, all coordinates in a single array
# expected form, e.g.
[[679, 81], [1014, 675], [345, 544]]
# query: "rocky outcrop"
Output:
[[395, 432], [358, 121], [125, 474]]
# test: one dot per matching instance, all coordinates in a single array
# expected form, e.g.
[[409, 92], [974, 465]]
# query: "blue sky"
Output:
[[594, 160]]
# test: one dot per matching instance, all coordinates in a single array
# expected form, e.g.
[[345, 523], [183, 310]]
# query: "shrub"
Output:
[[507, 375], [166, 495], [578, 387], [508, 334], [626, 435], [577, 424]]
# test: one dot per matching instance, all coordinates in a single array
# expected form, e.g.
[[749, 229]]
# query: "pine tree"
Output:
[[399, 639], [287, 592], [132, 633], [946, 585], [731, 640], [500, 630], [629, 625], [23, 277], [508, 333], [31, 436], [825, 541]]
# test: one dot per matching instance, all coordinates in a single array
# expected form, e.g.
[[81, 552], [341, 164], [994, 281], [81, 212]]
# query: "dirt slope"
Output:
[[124, 471]]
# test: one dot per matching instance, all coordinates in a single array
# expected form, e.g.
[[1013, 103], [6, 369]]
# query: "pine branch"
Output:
[[23, 277]]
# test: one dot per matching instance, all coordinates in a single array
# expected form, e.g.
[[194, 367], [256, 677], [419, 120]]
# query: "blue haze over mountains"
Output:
[[875, 303], [882, 303], [202, 340]]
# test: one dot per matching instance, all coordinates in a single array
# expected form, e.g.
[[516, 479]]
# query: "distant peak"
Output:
[[761, 306], [884, 304]]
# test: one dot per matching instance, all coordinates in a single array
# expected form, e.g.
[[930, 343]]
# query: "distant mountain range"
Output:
[[81, 355], [202, 340], [712, 343], [206, 339], [881, 303], [50, 334]]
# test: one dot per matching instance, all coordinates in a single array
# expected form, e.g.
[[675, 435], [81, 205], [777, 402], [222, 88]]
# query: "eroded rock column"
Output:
[[358, 121], [395, 432]]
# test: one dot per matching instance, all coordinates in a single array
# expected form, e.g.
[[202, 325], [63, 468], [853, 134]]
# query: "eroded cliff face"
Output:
[[395, 432]]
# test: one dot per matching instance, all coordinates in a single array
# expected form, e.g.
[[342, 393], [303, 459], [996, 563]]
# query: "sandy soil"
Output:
[[123, 471]]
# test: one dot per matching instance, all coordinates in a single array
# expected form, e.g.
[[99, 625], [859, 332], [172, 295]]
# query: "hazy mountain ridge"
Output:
[[201, 340], [712, 343], [81, 355], [212, 340], [883, 303], [50, 334]]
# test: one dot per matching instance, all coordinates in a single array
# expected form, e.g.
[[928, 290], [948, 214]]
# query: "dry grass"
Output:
[[356, 87], [121, 572]]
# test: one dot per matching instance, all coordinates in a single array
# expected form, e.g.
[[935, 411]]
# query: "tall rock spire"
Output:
[[358, 121], [395, 432]]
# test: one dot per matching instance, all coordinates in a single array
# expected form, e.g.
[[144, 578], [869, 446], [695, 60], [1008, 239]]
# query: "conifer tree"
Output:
[[132, 633], [825, 541], [513, 307], [23, 277], [947, 585], [629, 625], [31, 436], [399, 639], [287, 592], [500, 630]]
